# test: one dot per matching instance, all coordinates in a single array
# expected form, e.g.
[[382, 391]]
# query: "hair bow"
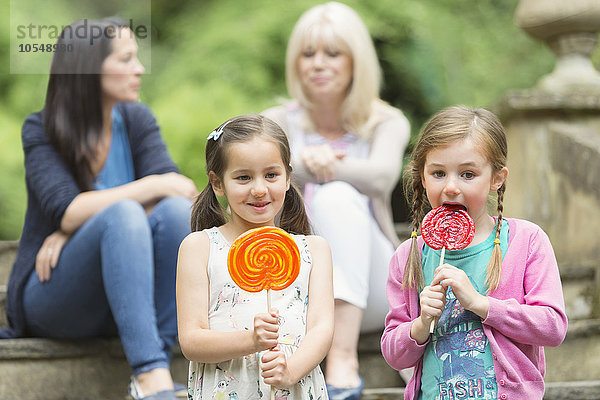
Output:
[[216, 134]]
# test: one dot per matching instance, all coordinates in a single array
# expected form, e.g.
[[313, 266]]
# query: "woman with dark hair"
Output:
[[107, 210]]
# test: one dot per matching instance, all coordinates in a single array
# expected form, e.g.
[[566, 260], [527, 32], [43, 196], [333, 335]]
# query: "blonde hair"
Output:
[[450, 125], [338, 27]]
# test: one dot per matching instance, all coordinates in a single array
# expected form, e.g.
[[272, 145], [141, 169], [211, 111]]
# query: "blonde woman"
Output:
[[347, 148]]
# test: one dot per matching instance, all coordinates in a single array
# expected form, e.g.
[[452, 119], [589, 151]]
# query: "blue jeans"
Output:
[[116, 276]]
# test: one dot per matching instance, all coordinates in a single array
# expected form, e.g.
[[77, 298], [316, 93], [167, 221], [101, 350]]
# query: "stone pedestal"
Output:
[[553, 133], [570, 28], [554, 164]]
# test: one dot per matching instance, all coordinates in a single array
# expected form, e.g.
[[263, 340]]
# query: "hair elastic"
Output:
[[413, 234], [496, 241], [216, 134]]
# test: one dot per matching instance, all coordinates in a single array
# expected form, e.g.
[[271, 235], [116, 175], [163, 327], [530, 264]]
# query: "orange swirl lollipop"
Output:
[[264, 258]]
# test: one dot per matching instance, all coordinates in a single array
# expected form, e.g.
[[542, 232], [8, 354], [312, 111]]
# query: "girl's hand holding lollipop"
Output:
[[447, 227]]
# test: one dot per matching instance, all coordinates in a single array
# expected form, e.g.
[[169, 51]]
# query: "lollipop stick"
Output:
[[269, 310], [433, 321]]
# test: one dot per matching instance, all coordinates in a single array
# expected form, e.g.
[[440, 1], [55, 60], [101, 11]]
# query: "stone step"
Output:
[[96, 368], [579, 390], [33, 368], [576, 359], [581, 290], [55, 370], [8, 251], [373, 368], [392, 393]]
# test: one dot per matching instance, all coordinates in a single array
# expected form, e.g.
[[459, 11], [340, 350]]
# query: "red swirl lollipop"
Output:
[[264, 258], [447, 227]]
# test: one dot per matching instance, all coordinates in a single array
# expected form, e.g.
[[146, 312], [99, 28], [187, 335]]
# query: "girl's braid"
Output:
[[500, 192], [413, 273], [494, 268]]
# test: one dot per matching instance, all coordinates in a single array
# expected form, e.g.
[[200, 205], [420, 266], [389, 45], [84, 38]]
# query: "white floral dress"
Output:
[[233, 309]]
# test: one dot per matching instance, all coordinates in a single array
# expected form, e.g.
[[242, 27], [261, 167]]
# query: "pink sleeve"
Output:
[[537, 317], [398, 348]]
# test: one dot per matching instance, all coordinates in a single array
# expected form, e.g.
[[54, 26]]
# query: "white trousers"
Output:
[[361, 252]]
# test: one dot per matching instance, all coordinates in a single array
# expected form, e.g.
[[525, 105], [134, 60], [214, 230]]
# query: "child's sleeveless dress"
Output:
[[232, 309]]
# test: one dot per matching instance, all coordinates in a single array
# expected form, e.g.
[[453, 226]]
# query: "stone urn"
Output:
[[570, 28]]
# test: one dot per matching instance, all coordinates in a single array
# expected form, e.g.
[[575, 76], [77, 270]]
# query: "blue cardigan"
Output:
[[51, 188]]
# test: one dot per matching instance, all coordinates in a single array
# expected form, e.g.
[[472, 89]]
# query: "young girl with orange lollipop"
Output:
[[236, 349], [499, 300]]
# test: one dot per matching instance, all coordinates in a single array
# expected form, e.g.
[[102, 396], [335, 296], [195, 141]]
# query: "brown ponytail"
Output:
[[207, 211], [293, 214]]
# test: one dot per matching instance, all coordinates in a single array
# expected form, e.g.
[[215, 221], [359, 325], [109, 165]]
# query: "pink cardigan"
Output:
[[527, 312]]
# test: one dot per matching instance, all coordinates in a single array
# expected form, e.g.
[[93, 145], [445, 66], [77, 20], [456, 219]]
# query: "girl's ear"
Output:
[[216, 184], [499, 178], [288, 183]]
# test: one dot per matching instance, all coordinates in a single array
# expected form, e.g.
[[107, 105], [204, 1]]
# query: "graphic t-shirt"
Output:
[[458, 363]]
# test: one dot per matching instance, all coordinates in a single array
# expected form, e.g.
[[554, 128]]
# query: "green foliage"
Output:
[[212, 60], [12, 180]]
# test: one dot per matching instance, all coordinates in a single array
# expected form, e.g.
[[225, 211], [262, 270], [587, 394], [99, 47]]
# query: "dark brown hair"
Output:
[[448, 126], [73, 109], [208, 212]]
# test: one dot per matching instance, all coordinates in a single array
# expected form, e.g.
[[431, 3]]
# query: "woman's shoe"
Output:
[[135, 393], [337, 393]]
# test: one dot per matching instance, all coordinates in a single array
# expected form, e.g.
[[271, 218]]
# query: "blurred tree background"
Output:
[[213, 59]]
